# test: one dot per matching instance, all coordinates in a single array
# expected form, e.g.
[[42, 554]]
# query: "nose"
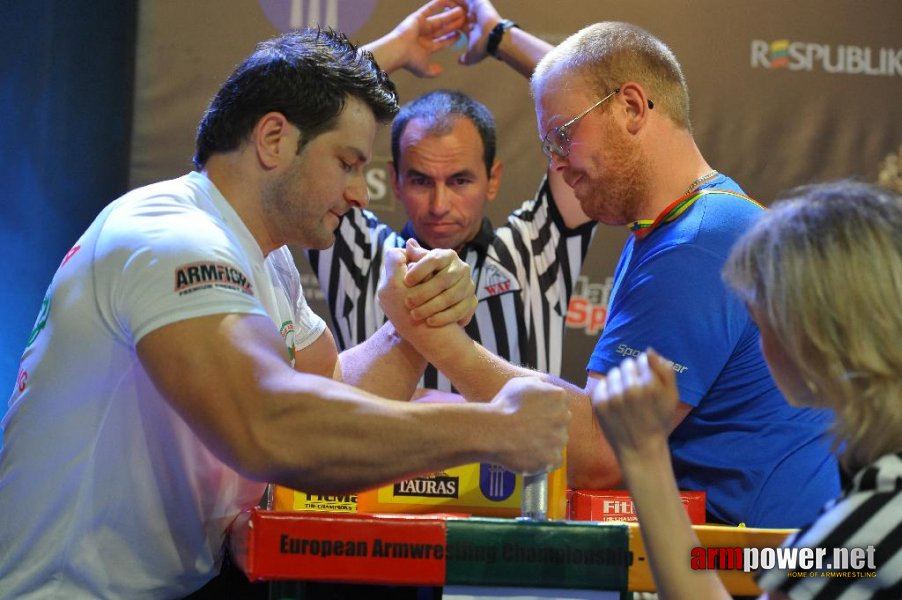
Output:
[[357, 192], [440, 203]]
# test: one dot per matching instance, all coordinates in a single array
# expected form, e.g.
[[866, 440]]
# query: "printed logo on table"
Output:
[[495, 482], [432, 486], [837, 59], [199, 276], [347, 16]]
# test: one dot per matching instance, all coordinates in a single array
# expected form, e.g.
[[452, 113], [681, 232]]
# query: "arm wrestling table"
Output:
[[469, 556]]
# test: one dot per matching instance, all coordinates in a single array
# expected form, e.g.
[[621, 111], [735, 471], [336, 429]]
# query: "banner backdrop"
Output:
[[783, 93]]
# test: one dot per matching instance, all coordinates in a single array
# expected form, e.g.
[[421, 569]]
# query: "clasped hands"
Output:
[[434, 26], [422, 287]]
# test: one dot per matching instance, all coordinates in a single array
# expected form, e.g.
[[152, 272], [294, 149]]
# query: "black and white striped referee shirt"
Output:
[[869, 513], [524, 273]]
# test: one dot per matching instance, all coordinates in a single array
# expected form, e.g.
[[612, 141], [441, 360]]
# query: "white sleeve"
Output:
[[168, 263], [308, 325]]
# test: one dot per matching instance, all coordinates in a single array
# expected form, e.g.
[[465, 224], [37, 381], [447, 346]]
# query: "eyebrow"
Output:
[[358, 153], [563, 121], [415, 173]]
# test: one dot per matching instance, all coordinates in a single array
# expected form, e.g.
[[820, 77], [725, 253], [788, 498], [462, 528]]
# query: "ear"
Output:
[[494, 180], [637, 105], [274, 139]]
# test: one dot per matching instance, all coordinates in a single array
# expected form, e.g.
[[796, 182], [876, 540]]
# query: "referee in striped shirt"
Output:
[[444, 171]]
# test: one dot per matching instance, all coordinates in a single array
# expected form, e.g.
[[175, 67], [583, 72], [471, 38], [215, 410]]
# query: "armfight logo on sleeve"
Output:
[[199, 276]]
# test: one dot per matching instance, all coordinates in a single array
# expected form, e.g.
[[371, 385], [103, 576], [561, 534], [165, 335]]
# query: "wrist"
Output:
[[497, 35], [652, 455]]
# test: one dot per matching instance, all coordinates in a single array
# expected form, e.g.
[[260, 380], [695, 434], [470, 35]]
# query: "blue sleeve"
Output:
[[674, 301]]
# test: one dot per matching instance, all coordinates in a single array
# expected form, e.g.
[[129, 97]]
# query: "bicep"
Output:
[[213, 371]]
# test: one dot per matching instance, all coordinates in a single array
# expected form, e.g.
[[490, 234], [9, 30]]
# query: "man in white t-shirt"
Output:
[[156, 395]]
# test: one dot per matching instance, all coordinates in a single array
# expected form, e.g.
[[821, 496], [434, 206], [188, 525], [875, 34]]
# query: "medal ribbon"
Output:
[[643, 227]]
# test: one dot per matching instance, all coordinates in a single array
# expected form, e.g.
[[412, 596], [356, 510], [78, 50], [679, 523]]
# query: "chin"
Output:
[[438, 242], [320, 243]]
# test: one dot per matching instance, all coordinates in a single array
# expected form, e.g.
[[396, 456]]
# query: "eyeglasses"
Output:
[[557, 141]]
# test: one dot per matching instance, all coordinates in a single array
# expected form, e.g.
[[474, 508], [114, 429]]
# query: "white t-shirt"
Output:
[[104, 490]]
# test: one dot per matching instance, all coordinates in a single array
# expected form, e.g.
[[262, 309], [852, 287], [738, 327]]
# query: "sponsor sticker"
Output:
[[205, 275], [495, 482], [843, 59], [434, 486]]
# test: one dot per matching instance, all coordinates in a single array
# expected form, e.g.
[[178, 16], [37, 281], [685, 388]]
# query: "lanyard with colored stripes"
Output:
[[643, 227]]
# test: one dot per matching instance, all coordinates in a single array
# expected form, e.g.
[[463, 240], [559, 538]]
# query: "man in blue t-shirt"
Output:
[[612, 107], [760, 460]]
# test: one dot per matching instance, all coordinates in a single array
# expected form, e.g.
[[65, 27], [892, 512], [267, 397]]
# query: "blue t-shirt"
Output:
[[760, 461]]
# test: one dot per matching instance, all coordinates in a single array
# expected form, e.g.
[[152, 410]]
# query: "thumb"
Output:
[[414, 251], [395, 264]]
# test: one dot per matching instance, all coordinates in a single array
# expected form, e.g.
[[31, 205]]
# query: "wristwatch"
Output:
[[496, 34]]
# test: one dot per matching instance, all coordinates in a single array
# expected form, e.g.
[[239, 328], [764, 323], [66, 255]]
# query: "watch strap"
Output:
[[497, 34]]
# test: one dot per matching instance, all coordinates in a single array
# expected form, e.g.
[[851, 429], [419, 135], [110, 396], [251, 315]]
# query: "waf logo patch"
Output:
[[198, 276], [495, 280]]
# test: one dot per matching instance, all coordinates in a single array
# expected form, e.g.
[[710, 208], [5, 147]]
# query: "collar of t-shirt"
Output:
[[227, 213], [480, 241]]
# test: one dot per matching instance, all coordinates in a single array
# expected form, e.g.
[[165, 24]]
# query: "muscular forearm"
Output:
[[345, 439], [384, 365], [591, 463], [475, 372], [353, 441], [479, 374]]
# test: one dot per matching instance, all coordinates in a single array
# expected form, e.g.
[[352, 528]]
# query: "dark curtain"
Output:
[[66, 91]]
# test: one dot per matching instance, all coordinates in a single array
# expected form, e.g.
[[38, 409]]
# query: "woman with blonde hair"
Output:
[[821, 274]]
